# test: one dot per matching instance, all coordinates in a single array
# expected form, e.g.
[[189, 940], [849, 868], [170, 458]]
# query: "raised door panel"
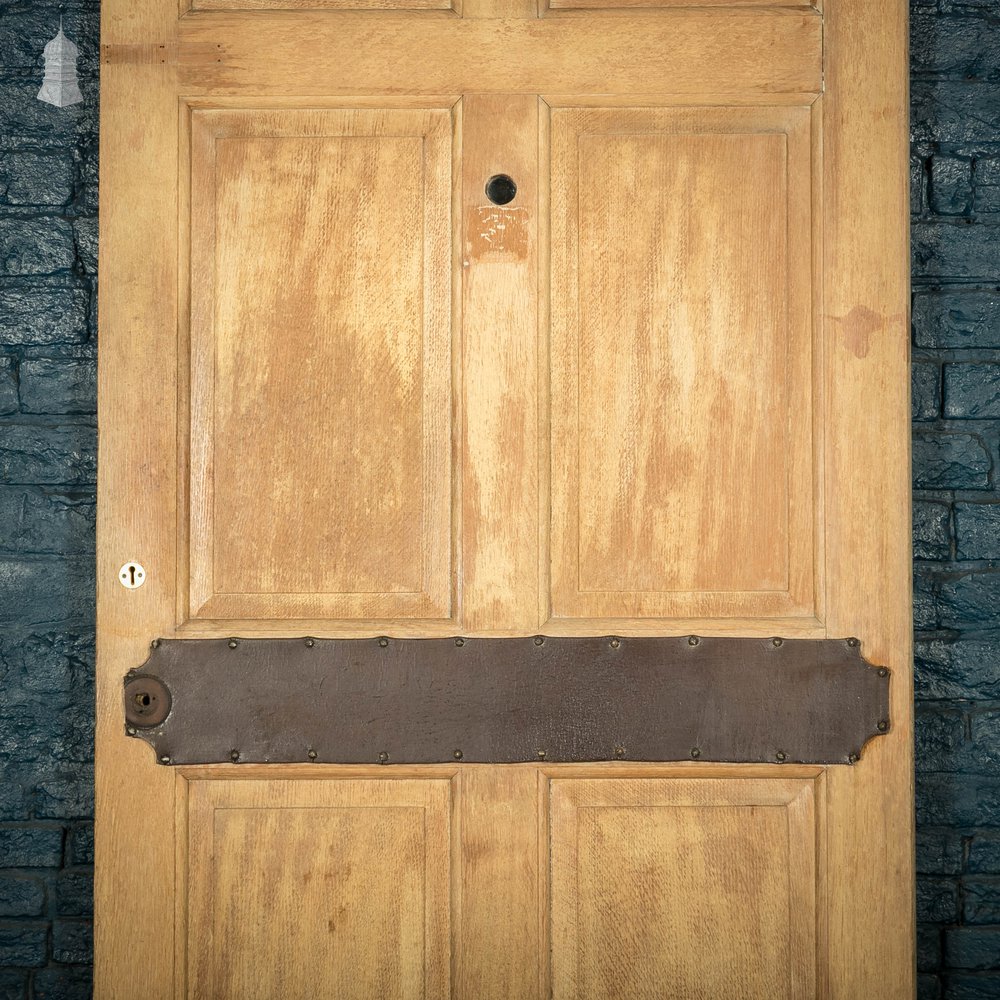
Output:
[[318, 887], [693, 888], [684, 454], [319, 389], [303, 5], [665, 4]]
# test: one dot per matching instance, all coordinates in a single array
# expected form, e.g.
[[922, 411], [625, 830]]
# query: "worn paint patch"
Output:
[[858, 327], [497, 234]]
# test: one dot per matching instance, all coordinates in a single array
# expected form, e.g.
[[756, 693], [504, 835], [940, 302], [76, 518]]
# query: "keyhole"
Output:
[[131, 575], [501, 189], [143, 700]]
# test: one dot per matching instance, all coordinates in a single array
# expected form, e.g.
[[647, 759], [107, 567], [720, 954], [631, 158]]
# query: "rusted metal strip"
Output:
[[415, 701]]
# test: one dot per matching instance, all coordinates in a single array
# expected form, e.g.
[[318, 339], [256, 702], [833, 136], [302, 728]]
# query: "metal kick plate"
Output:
[[422, 701]]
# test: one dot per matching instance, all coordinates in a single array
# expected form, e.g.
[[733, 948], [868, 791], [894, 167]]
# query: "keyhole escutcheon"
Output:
[[131, 575]]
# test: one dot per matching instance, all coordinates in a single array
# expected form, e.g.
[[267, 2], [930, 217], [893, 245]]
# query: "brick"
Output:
[[925, 612], [30, 846], [928, 987], [42, 455], [955, 250], [977, 530], [70, 796], [47, 736], [64, 385], [939, 852], [46, 521], [23, 944], [49, 664], [32, 735], [40, 245], [21, 897], [984, 744], [986, 184], [918, 185], [36, 178], [928, 948], [8, 386], [931, 522], [63, 984], [73, 942], [75, 894], [85, 235], [984, 854], [13, 984], [43, 316], [987, 170], [21, 113], [970, 600], [925, 397], [963, 46], [958, 668], [954, 111], [937, 900], [80, 845], [940, 741], [957, 319], [950, 185], [974, 986], [958, 800], [13, 800], [947, 462], [967, 6], [972, 391], [38, 590], [981, 901], [972, 947], [37, 22]]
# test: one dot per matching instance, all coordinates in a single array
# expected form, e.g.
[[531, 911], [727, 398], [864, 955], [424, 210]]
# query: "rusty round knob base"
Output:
[[147, 702]]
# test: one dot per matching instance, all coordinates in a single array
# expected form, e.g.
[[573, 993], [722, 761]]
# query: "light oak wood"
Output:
[[316, 5], [703, 887], [355, 872], [663, 391], [667, 4], [677, 52], [681, 316], [867, 331], [499, 364], [318, 404]]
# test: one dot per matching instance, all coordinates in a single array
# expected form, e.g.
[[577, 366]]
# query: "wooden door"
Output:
[[663, 391]]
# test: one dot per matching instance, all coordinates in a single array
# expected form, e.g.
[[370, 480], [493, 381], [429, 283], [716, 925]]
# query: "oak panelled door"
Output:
[[660, 391]]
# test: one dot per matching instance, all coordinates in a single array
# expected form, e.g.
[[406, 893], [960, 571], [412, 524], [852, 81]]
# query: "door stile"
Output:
[[866, 317], [134, 907], [500, 365]]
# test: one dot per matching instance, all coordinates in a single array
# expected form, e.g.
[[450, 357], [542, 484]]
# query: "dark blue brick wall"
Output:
[[48, 204], [955, 185]]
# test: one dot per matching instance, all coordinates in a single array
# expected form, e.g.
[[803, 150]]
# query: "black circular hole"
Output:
[[501, 189]]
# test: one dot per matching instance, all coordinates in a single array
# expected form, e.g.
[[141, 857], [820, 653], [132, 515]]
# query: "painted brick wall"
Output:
[[48, 236], [48, 203], [955, 68]]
